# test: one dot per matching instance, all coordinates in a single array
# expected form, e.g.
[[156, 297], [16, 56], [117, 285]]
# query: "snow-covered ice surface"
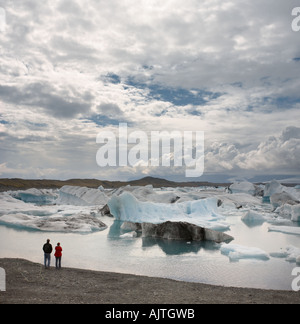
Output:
[[265, 249]]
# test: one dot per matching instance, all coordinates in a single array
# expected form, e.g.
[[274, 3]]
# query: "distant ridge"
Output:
[[22, 184]]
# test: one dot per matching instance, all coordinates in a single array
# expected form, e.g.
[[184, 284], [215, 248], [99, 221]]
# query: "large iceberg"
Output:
[[202, 212]]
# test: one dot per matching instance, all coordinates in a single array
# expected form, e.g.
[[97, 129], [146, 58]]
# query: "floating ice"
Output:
[[17, 213], [296, 213], [36, 196], [243, 187], [291, 254], [82, 223], [81, 196], [129, 235], [285, 229], [252, 218], [202, 212], [147, 193], [272, 188], [282, 198], [236, 252]]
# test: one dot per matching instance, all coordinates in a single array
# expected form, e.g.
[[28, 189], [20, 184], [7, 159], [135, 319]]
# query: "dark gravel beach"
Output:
[[30, 283]]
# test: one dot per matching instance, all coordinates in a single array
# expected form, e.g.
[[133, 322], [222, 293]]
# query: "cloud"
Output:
[[44, 96], [276, 155], [229, 68]]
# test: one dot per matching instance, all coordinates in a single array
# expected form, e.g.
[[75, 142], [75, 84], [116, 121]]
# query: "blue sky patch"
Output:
[[176, 96], [112, 78]]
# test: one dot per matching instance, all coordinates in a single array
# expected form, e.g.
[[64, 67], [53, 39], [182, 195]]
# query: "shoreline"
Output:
[[30, 283]]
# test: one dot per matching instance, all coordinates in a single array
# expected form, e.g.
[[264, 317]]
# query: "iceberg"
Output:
[[272, 188], [36, 196], [183, 231], [291, 254], [236, 252], [285, 229], [291, 212], [147, 193], [245, 187], [28, 216], [282, 198], [80, 223], [252, 218], [81, 196], [296, 213], [202, 212], [129, 235]]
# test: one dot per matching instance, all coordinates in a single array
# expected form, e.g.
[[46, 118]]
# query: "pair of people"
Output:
[[47, 248]]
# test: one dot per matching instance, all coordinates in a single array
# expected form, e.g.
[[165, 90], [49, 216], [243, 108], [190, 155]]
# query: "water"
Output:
[[194, 262]]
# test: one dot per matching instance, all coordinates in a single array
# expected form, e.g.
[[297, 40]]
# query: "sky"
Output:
[[72, 69]]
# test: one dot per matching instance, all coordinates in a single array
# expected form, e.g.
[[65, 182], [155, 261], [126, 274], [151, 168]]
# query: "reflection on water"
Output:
[[179, 247]]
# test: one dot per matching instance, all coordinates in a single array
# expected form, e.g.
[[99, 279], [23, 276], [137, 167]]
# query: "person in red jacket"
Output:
[[58, 255]]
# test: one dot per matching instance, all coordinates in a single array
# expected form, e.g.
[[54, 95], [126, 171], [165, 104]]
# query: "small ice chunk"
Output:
[[285, 229], [236, 252], [251, 218], [291, 254], [129, 235], [296, 213]]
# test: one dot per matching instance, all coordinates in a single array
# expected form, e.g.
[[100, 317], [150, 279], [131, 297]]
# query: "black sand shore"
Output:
[[30, 283]]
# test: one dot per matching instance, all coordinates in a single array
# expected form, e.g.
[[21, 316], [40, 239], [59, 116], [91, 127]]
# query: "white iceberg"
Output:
[[202, 212], [272, 188], [81, 196], [237, 252], [243, 187]]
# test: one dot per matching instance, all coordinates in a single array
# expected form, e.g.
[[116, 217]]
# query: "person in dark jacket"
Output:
[[47, 248]]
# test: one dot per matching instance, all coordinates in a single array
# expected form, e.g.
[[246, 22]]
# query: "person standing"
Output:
[[47, 248], [58, 255]]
